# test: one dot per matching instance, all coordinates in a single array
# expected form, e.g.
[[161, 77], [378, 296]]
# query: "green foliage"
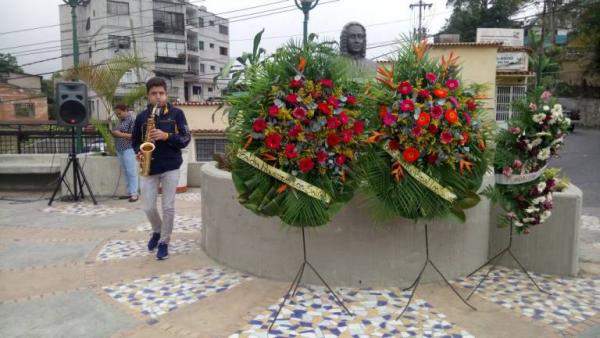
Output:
[[8, 63], [468, 15], [588, 29], [104, 131]]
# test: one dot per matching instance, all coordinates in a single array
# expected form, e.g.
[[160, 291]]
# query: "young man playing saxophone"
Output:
[[169, 136]]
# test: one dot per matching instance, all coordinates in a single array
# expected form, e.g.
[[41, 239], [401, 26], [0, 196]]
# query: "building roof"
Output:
[[466, 44], [515, 49], [196, 103]]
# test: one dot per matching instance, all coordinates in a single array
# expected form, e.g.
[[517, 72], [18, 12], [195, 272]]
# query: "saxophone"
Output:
[[147, 148]]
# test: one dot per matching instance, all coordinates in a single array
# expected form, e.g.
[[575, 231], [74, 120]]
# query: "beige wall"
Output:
[[200, 117], [478, 65], [11, 95]]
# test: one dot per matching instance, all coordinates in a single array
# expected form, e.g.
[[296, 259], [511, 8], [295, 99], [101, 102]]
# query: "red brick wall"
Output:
[[10, 95]]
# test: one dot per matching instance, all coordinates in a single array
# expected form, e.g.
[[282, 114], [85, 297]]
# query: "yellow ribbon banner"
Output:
[[284, 177], [420, 176]]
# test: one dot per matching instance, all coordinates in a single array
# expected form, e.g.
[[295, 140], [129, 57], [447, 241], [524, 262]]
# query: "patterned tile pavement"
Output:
[[572, 300], [182, 224], [188, 197], [313, 313], [85, 209], [123, 249], [158, 295]]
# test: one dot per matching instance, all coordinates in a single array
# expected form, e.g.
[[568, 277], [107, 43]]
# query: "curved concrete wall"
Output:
[[350, 251]]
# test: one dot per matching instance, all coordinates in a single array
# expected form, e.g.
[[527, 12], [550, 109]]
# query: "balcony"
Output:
[[192, 47]]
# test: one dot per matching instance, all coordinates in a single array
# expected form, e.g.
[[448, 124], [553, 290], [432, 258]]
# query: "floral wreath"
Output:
[[428, 149], [295, 136], [524, 186]]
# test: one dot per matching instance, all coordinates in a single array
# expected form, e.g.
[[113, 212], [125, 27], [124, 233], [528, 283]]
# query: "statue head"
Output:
[[353, 40]]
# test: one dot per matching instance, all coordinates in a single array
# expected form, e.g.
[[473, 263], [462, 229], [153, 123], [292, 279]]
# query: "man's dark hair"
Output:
[[121, 106], [155, 82]]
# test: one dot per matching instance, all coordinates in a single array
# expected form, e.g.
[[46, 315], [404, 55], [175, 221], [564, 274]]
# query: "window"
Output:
[[119, 42], [117, 8], [223, 51], [170, 52], [88, 24], [223, 29], [201, 21], [201, 45], [207, 148], [212, 45], [211, 23], [196, 90], [24, 109], [212, 68], [202, 68], [210, 89], [90, 52], [170, 23], [505, 97]]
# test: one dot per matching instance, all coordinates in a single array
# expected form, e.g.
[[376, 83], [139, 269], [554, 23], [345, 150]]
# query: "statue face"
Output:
[[356, 39]]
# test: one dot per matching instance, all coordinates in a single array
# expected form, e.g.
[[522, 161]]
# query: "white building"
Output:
[[183, 43]]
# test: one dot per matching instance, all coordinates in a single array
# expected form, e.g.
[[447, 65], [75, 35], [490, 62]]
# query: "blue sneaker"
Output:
[[153, 242], [163, 251]]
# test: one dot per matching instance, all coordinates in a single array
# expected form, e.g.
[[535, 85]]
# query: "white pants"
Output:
[[149, 184]]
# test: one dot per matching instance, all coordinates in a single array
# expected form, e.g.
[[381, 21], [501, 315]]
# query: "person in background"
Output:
[[122, 134], [170, 135]]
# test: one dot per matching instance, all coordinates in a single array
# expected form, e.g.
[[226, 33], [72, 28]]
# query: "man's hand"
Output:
[[158, 135]]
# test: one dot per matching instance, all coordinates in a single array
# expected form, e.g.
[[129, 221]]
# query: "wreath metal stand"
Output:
[[291, 293], [415, 284], [498, 256]]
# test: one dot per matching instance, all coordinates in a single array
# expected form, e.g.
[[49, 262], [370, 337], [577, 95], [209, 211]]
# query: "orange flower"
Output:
[[451, 116], [411, 154], [441, 93], [423, 119], [301, 64]]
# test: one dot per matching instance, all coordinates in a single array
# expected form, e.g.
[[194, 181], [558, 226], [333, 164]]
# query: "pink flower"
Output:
[[417, 131], [446, 137], [407, 105], [452, 84], [344, 118], [517, 164], [533, 106], [431, 77], [454, 101], [514, 130], [507, 171], [340, 160], [546, 95], [467, 117], [299, 113], [437, 112], [351, 100], [332, 100], [389, 119], [424, 93], [273, 111], [433, 129]]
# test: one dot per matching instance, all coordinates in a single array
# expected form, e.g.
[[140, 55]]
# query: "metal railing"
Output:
[[45, 138]]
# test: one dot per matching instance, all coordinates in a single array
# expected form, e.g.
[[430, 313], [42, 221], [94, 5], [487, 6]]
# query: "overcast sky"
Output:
[[386, 20]]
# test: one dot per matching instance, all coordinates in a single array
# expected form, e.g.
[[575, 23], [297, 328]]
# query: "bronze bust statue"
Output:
[[353, 44]]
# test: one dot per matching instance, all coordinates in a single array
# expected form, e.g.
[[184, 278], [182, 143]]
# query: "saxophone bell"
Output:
[[147, 148]]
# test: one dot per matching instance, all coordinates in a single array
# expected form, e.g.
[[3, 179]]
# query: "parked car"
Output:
[[99, 147]]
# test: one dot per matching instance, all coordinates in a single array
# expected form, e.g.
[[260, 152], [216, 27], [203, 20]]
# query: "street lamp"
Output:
[[73, 4], [306, 6]]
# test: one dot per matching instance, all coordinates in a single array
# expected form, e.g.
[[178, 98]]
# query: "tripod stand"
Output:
[[415, 284], [498, 256], [78, 177], [296, 283]]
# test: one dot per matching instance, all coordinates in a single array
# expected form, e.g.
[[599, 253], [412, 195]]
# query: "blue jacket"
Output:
[[167, 154]]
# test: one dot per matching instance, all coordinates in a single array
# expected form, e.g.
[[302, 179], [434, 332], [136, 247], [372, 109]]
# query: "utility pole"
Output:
[[420, 32], [538, 75]]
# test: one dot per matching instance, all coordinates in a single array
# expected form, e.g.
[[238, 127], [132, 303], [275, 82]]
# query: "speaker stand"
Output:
[[79, 178]]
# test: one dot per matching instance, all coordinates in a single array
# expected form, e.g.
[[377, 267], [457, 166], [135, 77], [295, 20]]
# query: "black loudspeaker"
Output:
[[72, 104]]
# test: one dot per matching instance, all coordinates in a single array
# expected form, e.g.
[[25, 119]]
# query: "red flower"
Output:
[[441, 93], [423, 119], [340, 160], [296, 83], [347, 135], [452, 84], [389, 119], [431, 77], [465, 138], [446, 137], [411, 154], [292, 98], [273, 111], [332, 100], [394, 144], [326, 83], [273, 141], [333, 140], [359, 127], [306, 164], [436, 112], [416, 131], [290, 151], [432, 158], [299, 113], [405, 88], [322, 156], [295, 131], [333, 122], [344, 118], [407, 105], [471, 105], [451, 116], [424, 93], [351, 100], [324, 107], [259, 125], [433, 129]]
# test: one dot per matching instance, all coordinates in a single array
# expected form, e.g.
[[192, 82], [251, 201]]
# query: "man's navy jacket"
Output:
[[167, 154]]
